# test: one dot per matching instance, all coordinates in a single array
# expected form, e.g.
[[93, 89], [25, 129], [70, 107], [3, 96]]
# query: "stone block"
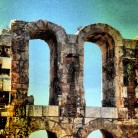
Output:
[[6, 63], [24, 65], [93, 112], [4, 114], [88, 28], [1, 82], [87, 120], [130, 44], [136, 91], [78, 120], [53, 118], [134, 121], [40, 24], [51, 125], [136, 75], [64, 120], [24, 77], [6, 40], [61, 36], [119, 51], [109, 112], [33, 110], [6, 85], [63, 78], [25, 56], [123, 113], [125, 92], [71, 49], [136, 112], [72, 38], [50, 111]]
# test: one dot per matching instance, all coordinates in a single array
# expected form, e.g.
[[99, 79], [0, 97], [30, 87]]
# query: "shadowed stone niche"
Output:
[[67, 116]]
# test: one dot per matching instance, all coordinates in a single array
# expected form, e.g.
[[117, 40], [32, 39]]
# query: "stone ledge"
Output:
[[106, 112], [39, 111]]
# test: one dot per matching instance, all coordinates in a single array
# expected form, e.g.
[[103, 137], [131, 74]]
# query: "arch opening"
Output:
[[106, 134], [42, 134], [106, 44], [39, 134], [49, 37], [95, 134], [39, 65], [100, 133], [92, 74]]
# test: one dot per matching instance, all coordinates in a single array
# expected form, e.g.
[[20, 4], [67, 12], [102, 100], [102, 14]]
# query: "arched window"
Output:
[[108, 39], [39, 70], [49, 33], [50, 38], [92, 74]]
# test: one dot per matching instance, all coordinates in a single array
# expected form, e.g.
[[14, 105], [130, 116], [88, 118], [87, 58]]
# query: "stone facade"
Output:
[[67, 115]]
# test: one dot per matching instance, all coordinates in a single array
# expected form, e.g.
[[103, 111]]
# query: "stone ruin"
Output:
[[67, 116]]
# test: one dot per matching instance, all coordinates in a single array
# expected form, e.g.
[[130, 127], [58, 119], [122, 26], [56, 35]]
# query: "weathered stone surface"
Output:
[[5, 114], [93, 112], [109, 112], [6, 85], [67, 115], [98, 112], [123, 113], [33, 110], [6, 63], [136, 91], [6, 40], [72, 38], [50, 111], [136, 111]]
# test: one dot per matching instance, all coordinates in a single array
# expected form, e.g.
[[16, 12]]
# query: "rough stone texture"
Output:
[[67, 115], [38, 110], [101, 112]]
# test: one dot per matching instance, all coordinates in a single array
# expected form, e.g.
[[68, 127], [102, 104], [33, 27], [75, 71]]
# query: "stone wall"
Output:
[[67, 115]]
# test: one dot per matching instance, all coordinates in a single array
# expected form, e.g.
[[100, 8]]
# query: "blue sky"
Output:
[[70, 14]]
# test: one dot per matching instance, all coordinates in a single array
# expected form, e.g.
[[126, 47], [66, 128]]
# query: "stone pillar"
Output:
[[20, 66], [129, 74]]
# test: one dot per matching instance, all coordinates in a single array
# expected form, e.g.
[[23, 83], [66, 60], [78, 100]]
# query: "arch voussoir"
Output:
[[42, 24], [101, 124], [89, 30]]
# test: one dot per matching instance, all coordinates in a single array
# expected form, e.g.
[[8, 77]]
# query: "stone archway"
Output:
[[51, 33], [107, 128], [110, 42], [51, 125]]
